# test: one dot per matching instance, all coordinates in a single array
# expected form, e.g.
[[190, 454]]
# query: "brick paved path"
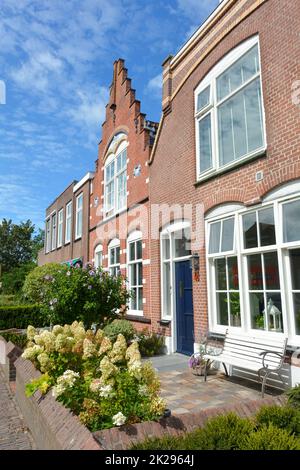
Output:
[[13, 432]]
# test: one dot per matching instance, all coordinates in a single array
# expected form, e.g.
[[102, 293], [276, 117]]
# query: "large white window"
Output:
[[253, 259], [116, 181], [79, 211], [229, 111], [68, 233], [60, 228], [53, 225], [135, 272], [98, 256], [114, 257], [48, 236]]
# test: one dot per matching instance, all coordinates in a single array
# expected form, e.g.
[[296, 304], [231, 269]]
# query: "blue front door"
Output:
[[184, 307]]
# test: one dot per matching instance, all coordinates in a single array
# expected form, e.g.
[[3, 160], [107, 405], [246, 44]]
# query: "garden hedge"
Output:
[[20, 316]]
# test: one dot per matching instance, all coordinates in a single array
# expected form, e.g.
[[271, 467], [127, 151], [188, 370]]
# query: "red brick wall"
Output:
[[173, 170], [123, 115]]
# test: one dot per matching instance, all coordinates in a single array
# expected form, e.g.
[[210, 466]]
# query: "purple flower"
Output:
[[92, 273], [90, 287]]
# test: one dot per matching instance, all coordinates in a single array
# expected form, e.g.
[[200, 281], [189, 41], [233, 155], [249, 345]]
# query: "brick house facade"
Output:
[[242, 181], [119, 205], [67, 225]]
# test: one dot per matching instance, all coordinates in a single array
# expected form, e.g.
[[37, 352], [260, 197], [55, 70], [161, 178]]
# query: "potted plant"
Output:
[[197, 361]]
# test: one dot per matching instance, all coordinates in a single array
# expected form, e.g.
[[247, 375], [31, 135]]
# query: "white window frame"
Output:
[[79, 216], [112, 159], [60, 224], [211, 108], [115, 243], [98, 254], [48, 236], [282, 250], [69, 215], [53, 231], [134, 237]]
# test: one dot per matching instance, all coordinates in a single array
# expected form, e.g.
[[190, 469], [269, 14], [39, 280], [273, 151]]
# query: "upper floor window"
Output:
[[60, 228], [135, 272], [68, 222], [53, 241], [116, 180], [79, 209], [48, 236], [229, 111]]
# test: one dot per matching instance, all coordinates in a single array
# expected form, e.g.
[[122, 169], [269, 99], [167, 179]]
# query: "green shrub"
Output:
[[150, 344], [8, 299], [284, 417], [119, 327], [294, 397], [20, 316], [74, 293], [270, 438], [17, 339], [103, 382], [13, 280]]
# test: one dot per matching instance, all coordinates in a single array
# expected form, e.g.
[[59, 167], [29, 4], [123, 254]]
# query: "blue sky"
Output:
[[56, 61]]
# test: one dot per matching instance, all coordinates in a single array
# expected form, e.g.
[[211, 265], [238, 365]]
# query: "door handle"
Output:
[[181, 288]]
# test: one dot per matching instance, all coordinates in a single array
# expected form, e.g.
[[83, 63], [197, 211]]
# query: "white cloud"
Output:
[[155, 85], [197, 10]]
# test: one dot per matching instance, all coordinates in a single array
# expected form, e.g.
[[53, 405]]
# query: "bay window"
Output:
[[229, 111], [253, 260]]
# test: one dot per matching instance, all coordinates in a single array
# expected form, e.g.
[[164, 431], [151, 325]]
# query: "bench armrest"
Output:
[[265, 353]]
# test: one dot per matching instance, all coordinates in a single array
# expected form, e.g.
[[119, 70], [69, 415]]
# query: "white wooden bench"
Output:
[[264, 356]]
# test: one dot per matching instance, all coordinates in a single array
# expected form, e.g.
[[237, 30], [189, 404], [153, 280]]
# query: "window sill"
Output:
[[77, 238], [234, 166], [164, 322], [115, 214], [67, 243], [137, 318]]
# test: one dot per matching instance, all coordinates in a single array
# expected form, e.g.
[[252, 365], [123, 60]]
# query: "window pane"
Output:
[[133, 278], [203, 99], [166, 248], [267, 227], [291, 221], [252, 97], [241, 71], [271, 271], [117, 255], [140, 299], [167, 288], [296, 298], [222, 308], [121, 190], [220, 266], [295, 269], [273, 312], [233, 273], [182, 243], [139, 250], [240, 124], [255, 272], [132, 251], [250, 230], [140, 274], [133, 299], [205, 143], [214, 238], [112, 256], [235, 311], [227, 235], [257, 311]]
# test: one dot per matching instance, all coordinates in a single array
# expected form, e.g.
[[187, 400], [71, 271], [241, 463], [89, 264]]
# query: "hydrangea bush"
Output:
[[74, 293], [103, 382]]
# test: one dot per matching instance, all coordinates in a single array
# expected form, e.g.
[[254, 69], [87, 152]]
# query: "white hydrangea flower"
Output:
[[119, 419], [143, 390], [105, 391]]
